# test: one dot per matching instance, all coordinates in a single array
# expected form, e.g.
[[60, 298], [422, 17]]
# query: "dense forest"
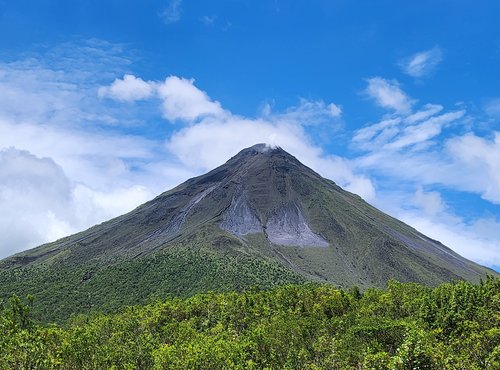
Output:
[[406, 326]]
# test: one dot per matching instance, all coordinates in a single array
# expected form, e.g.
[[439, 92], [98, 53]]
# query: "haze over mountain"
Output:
[[262, 218]]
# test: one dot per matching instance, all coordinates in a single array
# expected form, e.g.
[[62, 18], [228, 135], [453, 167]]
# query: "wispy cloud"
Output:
[[308, 112], [208, 20], [492, 108], [425, 153], [423, 63], [173, 12], [388, 94], [425, 149], [424, 131], [398, 133], [58, 84]]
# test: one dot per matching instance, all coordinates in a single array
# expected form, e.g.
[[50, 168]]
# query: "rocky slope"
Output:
[[262, 218]]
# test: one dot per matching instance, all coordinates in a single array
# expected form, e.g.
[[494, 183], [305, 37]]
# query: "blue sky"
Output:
[[105, 104]]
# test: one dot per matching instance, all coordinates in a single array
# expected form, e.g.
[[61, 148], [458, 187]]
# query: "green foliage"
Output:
[[63, 290], [406, 326]]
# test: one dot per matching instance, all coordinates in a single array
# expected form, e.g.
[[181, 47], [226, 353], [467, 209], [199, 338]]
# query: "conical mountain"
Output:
[[262, 218]]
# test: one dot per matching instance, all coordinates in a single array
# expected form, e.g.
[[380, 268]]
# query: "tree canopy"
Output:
[[405, 326]]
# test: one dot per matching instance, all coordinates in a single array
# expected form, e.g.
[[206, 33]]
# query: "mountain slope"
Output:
[[262, 218]]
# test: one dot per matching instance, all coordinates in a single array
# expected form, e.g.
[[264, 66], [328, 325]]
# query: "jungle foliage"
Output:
[[405, 326]]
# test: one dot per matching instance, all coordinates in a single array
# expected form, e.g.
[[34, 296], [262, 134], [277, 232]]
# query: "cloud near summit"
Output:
[[210, 134]]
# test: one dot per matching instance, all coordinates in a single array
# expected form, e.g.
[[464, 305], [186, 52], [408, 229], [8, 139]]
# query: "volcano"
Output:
[[261, 219]]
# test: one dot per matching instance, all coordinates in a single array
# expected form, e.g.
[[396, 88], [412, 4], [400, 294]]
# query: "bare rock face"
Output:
[[239, 219], [287, 226], [173, 227]]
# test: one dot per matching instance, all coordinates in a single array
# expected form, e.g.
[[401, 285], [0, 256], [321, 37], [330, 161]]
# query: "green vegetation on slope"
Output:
[[406, 326], [61, 290]]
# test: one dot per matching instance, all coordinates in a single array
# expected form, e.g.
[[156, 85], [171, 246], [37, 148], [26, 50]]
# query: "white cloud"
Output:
[[426, 211], [58, 85], [309, 112], [30, 91], [84, 154], [470, 240], [38, 202], [430, 202], [173, 12], [421, 154], [479, 157], [182, 100], [20, 169], [423, 63], [428, 110], [90, 206], [424, 131], [389, 95], [375, 135], [400, 132], [130, 88]]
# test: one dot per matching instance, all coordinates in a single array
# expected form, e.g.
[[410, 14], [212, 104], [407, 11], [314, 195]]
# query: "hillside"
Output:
[[262, 219]]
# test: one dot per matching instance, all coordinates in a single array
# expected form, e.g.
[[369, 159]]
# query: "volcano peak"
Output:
[[261, 218], [257, 149]]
